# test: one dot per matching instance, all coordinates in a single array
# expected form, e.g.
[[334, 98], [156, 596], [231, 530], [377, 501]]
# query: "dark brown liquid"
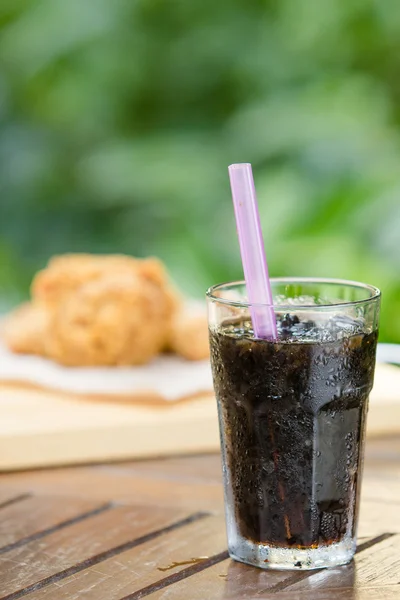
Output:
[[293, 419]]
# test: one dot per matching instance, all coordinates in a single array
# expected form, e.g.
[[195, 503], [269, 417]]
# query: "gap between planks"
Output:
[[49, 530], [98, 558], [297, 577], [179, 576], [15, 500], [166, 581]]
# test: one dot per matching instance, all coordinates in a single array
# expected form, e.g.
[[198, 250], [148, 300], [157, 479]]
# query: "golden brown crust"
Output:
[[26, 328], [188, 336], [153, 270], [118, 318], [98, 310], [64, 274]]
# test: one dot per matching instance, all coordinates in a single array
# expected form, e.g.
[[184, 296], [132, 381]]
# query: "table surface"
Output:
[[155, 529]]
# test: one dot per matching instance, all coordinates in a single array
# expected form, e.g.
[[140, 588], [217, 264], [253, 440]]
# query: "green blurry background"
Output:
[[118, 119]]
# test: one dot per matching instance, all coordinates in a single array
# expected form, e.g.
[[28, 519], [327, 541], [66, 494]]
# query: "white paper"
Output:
[[169, 376]]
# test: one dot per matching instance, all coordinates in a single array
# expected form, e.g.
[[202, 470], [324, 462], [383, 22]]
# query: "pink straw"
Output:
[[252, 250]]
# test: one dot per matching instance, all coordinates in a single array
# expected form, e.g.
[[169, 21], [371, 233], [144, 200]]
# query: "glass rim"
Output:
[[374, 292]]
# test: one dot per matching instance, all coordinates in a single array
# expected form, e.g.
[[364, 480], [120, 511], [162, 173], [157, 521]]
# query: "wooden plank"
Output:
[[121, 484], [379, 478], [376, 566], [385, 489], [235, 581], [228, 579], [384, 450], [358, 578], [198, 468], [166, 556], [384, 404], [376, 517], [350, 593], [34, 515], [180, 481], [10, 496], [380, 565], [131, 485], [74, 548], [41, 428], [383, 469], [208, 585]]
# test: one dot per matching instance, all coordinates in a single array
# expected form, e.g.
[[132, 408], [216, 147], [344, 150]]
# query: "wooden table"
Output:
[[155, 529]]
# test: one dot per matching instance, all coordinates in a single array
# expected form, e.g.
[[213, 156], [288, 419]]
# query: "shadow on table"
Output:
[[245, 582]]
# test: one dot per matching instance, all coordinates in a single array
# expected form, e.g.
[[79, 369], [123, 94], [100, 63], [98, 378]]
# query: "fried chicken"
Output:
[[26, 328], [188, 335], [119, 319], [90, 310], [64, 274]]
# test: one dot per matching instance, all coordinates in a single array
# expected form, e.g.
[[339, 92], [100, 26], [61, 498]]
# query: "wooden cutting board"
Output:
[[41, 427]]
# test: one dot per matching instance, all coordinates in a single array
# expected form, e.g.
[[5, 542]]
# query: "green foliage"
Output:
[[118, 120]]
